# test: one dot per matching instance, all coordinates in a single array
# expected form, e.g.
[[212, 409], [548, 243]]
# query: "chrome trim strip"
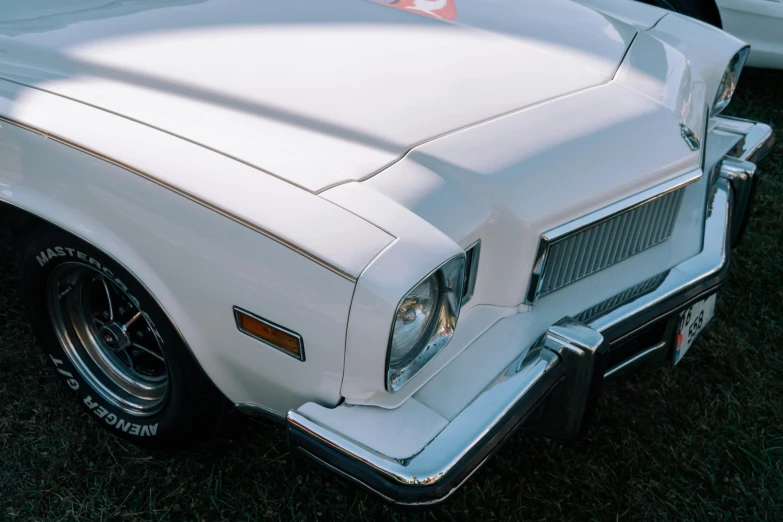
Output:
[[537, 276], [743, 178], [621, 207], [705, 132], [755, 143], [581, 350], [205, 204], [449, 459], [237, 311], [471, 270], [737, 170], [596, 218], [637, 360], [712, 259]]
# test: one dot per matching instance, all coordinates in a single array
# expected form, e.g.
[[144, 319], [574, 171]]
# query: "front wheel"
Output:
[[112, 344]]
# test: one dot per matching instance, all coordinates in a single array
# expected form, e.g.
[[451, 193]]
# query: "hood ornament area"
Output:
[[690, 138]]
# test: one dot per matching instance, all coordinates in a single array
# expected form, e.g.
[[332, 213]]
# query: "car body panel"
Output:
[[419, 250], [507, 181], [486, 183], [196, 260], [707, 48], [641, 16], [302, 221], [399, 435], [758, 22], [301, 161], [286, 88]]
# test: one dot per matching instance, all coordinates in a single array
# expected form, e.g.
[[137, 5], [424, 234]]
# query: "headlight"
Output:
[[730, 79], [424, 322]]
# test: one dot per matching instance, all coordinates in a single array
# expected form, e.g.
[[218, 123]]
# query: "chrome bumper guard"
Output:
[[553, 387]]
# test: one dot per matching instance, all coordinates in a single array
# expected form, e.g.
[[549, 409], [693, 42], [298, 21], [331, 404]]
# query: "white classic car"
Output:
[[758, 22], [404, 229]]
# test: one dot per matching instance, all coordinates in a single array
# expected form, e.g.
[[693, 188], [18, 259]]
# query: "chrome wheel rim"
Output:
[[108, 338]]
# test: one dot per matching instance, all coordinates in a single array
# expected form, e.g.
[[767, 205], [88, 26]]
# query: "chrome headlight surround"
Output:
[[441, 313], [728, 83]]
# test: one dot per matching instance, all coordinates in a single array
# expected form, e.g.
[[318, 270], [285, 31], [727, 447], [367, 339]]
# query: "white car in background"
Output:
[[403, 228], [758, 22]]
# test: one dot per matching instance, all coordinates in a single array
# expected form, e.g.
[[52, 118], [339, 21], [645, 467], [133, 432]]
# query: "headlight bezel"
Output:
[[431, 285], [438, 333], [728, 83]]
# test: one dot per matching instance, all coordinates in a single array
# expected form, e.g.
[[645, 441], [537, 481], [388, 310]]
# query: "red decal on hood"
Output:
[[444, 9]]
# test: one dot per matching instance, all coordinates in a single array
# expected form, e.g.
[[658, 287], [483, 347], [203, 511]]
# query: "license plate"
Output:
[[692, 322]]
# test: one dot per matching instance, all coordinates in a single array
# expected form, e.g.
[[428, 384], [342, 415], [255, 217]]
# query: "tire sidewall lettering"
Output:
[[102, 411], [118, 422], [48, 254]]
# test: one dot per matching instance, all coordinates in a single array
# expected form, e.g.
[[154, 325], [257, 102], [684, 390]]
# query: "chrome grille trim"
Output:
[[626, 296], [472, 255], [609, 242], [607, 236]]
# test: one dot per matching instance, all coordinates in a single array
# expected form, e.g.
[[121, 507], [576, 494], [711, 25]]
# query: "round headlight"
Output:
[[424, 322], [413, 319]]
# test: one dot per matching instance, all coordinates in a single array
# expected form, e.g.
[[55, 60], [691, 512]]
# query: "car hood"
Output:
[[314, 92]]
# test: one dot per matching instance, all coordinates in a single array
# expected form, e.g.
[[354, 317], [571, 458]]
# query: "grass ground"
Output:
[[701, 442]]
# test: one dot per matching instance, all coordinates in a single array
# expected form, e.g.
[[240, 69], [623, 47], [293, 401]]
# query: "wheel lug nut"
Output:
[[136, 353], [105, 315], [121, 310]]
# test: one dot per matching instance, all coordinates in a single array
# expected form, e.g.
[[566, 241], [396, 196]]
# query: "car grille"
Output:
[[572, 256], [624, 297]]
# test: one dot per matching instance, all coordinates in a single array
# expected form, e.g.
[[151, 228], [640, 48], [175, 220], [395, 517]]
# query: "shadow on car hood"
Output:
[[316, 93]]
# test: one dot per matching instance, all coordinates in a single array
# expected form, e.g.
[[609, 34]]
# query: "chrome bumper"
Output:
[[553, 387]]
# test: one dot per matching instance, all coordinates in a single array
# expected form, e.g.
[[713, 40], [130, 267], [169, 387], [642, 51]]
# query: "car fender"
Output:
[[244, 239]]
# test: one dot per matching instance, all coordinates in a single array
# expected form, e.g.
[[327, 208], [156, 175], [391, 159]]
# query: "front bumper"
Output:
[[553, 387]]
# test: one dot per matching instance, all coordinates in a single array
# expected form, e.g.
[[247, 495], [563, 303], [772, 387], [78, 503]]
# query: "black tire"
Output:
[[187, 407], [704, 10]]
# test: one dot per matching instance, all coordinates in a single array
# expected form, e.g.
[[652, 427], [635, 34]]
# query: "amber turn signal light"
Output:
[[269, 333]]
